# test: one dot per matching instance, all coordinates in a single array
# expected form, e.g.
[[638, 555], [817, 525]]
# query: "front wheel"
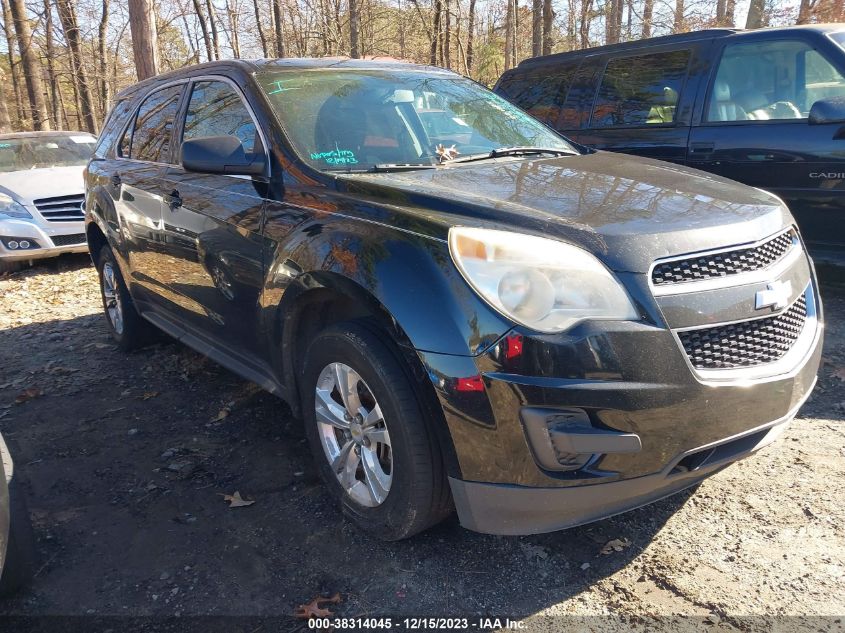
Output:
[[126, 326], [369, 437]]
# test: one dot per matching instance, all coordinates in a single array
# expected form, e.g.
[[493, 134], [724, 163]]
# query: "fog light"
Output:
[[12, 244], [24, 244]]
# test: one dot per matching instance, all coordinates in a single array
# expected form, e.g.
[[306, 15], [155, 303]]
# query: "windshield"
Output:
[[839, 38], [356, 119], [35, 152]]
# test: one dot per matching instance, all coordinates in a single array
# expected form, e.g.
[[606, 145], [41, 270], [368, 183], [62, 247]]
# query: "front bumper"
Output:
[[516, 510], [664, 427], [53, 240]]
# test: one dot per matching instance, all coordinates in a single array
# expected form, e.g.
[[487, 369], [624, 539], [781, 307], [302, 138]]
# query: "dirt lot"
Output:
[[125, 458]]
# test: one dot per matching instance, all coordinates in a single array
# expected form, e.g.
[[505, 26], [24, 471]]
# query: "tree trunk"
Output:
[[102, 52], [470, 35], [212, 20], [536, 28], [14, 64], [67, 15], [584, 27], [447, 41], [142, 24], [354, 30], [721, 8], [509, 36], [264, 49], [278, 28], [648, 14], [804, 12], [756, 17], [678, 26], [435, 31], [233, 29], [55, 107], [548, 27], [204, 28], [5, 121], [31, 66], [730, 10]]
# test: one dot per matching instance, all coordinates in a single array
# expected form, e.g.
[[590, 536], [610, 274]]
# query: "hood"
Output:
[[627, 211], [32, 184]]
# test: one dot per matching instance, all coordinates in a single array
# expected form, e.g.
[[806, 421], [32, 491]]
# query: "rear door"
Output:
[[213, 223], [754, 126], [643, 104]]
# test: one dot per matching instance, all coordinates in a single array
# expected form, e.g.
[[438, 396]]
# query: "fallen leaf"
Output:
[[27, 394], [615, 545], [840, 373], [534, 551], [314, 609], [236, 501], [222, 414], [149, 394]]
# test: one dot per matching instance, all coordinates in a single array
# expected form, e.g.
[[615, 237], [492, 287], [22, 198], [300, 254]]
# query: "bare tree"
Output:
[[204, 28], [648, 13], [67, 16], [14, 62], [260, 29], [470, 36], [5, 121], [679, 23], [435, 30], [212, 20], [49, 45], [278, 28], [31, 66], [536, 28], [142, 23], [234, 26]]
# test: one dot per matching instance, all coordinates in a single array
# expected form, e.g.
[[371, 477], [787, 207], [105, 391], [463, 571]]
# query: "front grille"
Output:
[[741, 260], [747, 343], [61, 208], [68, 240]]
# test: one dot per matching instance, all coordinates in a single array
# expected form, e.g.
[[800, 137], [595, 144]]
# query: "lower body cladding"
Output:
[[553, 431], [22, 240]]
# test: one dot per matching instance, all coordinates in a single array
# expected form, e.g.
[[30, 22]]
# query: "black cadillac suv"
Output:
[[468, 311]]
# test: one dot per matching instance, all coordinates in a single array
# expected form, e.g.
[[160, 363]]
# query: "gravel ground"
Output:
[[126, 458]]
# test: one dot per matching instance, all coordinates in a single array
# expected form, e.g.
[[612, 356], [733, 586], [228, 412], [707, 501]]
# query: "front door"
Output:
[[755, 128], [212, 226]]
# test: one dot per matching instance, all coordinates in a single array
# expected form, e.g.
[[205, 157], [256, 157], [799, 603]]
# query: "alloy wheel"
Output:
[[354, 434], [111, 297]]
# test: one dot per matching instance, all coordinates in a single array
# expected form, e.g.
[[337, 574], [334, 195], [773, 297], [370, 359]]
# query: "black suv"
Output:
[[467, 310], [765, 107]]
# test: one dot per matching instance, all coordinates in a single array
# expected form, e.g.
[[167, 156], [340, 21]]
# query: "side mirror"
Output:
[[220, 155], [830, 110]]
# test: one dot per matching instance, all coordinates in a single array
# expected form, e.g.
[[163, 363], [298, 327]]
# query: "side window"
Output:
[[215, 109], [641, 90], [113, 126], [777, 80], [154, 126], [541, 93]]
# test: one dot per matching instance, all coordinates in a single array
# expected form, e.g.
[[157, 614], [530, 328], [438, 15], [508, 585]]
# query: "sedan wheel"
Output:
[[354, 434]]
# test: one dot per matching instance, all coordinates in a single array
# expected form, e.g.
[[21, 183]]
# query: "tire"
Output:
[[417, 494], [19, 563], [128, 329]]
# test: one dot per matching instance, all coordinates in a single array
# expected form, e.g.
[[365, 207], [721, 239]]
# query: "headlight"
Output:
[[544, 284], [11, 209]]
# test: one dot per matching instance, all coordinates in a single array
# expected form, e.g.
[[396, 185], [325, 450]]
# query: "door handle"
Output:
[[702, 148], [173, 199]]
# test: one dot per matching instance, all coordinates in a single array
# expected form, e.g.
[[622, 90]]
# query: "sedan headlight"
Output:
[[543, 284], [11, 209]]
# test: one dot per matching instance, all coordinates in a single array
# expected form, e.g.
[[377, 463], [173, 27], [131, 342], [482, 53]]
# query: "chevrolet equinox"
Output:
[[468, 310]]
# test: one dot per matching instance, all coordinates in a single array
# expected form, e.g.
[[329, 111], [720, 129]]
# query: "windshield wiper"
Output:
[[382, 167], [512, 151]]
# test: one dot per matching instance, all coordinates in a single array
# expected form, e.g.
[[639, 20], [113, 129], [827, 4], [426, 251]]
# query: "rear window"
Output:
[[641, 90]]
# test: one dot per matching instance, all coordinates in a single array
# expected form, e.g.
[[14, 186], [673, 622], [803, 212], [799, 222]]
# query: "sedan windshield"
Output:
[[363, 119], [35, 152]]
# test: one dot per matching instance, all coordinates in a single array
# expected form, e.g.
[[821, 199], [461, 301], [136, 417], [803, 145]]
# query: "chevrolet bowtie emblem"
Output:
[[775, 296]]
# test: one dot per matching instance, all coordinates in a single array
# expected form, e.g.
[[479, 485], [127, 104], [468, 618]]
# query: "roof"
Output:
[[13, 135], [287, 63], [679, 38]]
